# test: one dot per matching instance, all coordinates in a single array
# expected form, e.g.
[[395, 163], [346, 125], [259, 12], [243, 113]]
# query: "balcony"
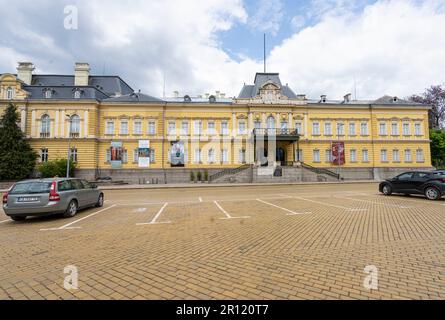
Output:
[[277, 133], [45, 135], [74, 135]]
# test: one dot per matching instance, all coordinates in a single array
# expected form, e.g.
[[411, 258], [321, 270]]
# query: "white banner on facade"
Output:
[[144, 154]]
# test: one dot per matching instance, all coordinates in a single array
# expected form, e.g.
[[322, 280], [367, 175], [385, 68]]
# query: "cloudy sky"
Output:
[[394, 47]]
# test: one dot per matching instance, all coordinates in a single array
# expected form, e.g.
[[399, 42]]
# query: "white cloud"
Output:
[[392, 47], [268, 16], [297, 22]]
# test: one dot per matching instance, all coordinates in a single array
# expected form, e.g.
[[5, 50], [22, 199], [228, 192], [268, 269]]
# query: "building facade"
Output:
[[111, 130]]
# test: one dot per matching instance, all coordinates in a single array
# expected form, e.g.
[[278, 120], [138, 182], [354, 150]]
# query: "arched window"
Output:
[[271, 122], [211, 156], [45, 125], [9, 93], [48, 94], [75, 124]]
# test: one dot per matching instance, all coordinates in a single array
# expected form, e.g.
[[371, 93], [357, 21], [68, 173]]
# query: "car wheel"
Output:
[[18, 218], [100, 201], [71, 210], [432, 193], [387, 190]]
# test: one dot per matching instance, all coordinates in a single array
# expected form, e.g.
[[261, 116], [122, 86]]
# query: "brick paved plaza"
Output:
[[271, 242]]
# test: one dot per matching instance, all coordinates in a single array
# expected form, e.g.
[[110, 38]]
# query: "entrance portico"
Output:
[[271, 147]]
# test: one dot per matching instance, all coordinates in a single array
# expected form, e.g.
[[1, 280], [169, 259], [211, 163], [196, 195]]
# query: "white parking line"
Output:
[[156, 217], [291, 213], [329, 205], [401, 198], [200, 199], [140, 210], [68, 225], [378, 203], [228, 216]]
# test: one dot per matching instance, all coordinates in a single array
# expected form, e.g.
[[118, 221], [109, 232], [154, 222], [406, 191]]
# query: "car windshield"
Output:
[[31, 188]]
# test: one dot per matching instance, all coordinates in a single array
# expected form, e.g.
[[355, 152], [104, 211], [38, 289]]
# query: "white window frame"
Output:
[[384, 155], [408, 156], [382, 129], [365, 155], [340, 129], [394, 129], [315, 128], [109, 124], [316, 156], [73, 154], [184, 127], [197, 127], [45, 124], [364, 130], [137, 127], [353, 155], [328, 155], [418, 129], [406, 129], [121, 127], [9, 93], [197, 156], [328, 129], [242, 156], [75, 124], [352, 129], [396, 155], [151, 130], [224, 156], [211, 156], [420, 157], [171, 128], [299, 127], [211, 128], [225, 128], [44, 155], [136, 155]]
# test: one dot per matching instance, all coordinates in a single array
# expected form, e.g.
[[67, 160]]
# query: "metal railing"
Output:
[[275, 132], [321, 171], [45, 135], [230, 171]]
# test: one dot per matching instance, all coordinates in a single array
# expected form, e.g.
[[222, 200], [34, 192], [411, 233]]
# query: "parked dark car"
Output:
[[50, 196], [429, 183]]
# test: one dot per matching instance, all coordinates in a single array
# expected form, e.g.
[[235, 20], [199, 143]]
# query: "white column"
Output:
[[23, 120], [263, 120], [306, 126], [278, 122], [234, 125], [33, 123], [250, 124], [291, 121], [62, 126], [56, 124], [85, 123]]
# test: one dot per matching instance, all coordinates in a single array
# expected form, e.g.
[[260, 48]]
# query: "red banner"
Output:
[[338, 153]]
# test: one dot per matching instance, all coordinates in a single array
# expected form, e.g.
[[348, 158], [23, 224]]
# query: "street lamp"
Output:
[[68, 159], [339, 131]]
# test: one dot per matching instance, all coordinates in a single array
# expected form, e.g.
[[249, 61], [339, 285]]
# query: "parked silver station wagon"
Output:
[[50, 196]]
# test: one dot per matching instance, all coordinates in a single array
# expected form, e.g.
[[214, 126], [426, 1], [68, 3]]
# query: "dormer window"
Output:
[[323, 99], [395, 99], [212, 99], [187, 99], [9, 94], [77, 94], [48, 93]]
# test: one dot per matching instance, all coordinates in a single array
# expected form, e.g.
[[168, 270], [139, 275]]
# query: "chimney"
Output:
[[176, 94], [222, 95], [81, 74], [207, 95], [217, 94], [24, 72], [348, 98], [323, 98]]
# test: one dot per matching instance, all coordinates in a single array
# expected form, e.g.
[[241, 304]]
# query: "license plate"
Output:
[[28, 199]]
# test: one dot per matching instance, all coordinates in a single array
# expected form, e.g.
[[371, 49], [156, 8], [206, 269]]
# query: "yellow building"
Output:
[[114, 131]]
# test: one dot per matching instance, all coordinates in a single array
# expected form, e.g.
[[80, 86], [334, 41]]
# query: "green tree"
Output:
[[56, 168], [438, 148], [17, 159]]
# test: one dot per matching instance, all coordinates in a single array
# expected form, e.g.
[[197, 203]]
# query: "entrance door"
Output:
[[281, 155]]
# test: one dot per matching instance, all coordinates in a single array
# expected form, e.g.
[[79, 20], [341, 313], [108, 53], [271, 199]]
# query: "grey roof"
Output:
[[110, 85], [133, 97], [64, 92], [394, 100], [250, 91]]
